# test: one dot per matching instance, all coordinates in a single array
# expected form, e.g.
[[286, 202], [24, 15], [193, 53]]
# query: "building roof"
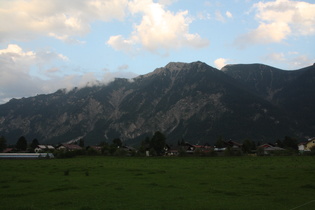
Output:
[[274, 149], [70, 146], [7, 150], [265, 146], [45, 146]]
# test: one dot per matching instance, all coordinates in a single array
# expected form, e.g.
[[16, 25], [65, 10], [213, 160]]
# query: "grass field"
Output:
[[159, 183]]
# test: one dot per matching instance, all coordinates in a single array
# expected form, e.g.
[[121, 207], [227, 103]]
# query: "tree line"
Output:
[[21, 144], [155, 145]]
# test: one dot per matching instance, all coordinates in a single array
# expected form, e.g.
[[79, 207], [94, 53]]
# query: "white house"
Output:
[[43, 148], [306, 146]]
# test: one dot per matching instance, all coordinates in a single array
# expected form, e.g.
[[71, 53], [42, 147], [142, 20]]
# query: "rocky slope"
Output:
[[192, 101]]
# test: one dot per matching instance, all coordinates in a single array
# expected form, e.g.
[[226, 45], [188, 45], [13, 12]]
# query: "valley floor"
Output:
[[158, 183]]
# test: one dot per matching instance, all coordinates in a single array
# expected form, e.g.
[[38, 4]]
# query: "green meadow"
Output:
[[159, 183]]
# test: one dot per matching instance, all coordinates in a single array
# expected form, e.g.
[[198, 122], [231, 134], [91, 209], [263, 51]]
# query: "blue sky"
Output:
[[53, 44]]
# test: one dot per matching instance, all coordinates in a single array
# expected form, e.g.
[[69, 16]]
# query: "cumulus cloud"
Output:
[[228, 14], [278, 20], [67, 20], [159, 29], [120, 44], [293, 60], [24, 20], [17, 79], [277, 57], [220, 62], [123, 67], [219, 16]]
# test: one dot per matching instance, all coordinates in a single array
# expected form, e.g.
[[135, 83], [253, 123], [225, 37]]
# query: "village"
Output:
[[221, 148]]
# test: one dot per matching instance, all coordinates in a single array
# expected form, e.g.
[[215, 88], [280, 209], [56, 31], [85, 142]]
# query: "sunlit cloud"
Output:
[[17, 80], [278, 20], [159, 29], [294, 60], [219, 16], [26, 20], [220, 62], [228, 14]]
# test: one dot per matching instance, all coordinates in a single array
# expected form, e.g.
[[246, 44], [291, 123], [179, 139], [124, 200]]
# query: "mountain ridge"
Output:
[[191, 101]]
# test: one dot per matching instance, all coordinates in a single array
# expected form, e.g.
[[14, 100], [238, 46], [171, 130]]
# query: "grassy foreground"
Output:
[[158, 183]]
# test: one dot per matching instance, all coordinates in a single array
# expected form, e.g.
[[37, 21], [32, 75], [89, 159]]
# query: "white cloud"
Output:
[[16, 51], [276, 57], [301, 61], [220, 62], [121, 44], [219, 16], [123, 67], [293, 60], [24, 20], [167, 2], [17, 79], [278, 20], [159, 29], [264, 34], [228, 14]]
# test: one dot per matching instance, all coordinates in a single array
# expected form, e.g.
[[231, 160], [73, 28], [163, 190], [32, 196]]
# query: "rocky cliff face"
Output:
[[191, 101], [292, 91]]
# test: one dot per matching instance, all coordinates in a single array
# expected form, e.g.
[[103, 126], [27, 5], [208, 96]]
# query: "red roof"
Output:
[[71, 146], [7, 150]]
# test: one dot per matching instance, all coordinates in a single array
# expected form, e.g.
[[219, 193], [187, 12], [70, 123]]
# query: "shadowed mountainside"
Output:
[[192, 101]]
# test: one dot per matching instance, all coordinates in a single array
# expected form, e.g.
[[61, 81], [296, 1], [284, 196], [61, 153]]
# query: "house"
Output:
[[265, 146], [43, 148], [306, 146], [268, 149], [310, 144], [193, 149], [171, 150], [302, 147], [8, 150], [233, 145], [69, 147]]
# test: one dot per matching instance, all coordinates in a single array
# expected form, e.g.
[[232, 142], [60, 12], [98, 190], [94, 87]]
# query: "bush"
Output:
[[260, 151], [67, 154], [121, 152], [182, 152], [91, 152]]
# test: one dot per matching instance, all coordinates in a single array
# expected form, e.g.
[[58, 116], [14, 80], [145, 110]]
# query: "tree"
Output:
[[21, 144], [34, 144], [81, 143], [219, 143], [183, 142], [145, 145], [290, 142], [279, 143], [158, 142], [248, 145], [117, 142], [3, 143]]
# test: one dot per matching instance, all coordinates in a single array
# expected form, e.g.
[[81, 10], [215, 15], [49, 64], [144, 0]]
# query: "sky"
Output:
[[57, 44]]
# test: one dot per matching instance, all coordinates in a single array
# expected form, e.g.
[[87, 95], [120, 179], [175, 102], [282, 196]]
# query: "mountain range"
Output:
[[190, 101]]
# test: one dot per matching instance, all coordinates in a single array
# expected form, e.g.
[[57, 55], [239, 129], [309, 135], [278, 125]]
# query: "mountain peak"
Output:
[[192, 101], [177, 66]]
